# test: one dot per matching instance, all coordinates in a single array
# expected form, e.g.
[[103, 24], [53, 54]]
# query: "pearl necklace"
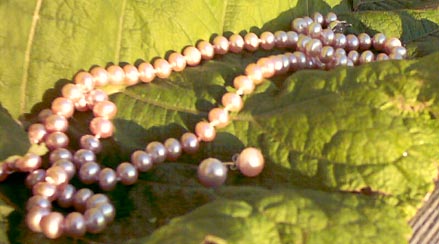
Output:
[[319, 44]]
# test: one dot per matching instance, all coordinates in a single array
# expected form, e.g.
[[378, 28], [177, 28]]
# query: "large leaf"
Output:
[[370, 130]]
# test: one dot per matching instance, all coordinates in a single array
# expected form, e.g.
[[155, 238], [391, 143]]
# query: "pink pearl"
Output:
[[219, 116], [251, 41], [280, 39], [250, 162], [127, 173], [29, 162], [146, 72], [267, 67], [131, 75], [205, 131], [220, 45], [34, 216], [72, 92], [292, 38], [206, 50], [162, 68], [391, 43], [301, 59], [56, 122], [43, 114], [45, 189], [56, 175], [365, 42], [81, 105], [354, 56], [366, 57], [173, 149], [56, 140], [327, 53], [330, 17], [318, 18], [189, 143], [301, 43], [105, 109], [192, 55], [399, 50], [395, 56], [63, 106], [101, 127], [352, 42], [96, 96], [315, 30], [80, 199], [34, 177], [39, 202], [66, 194], [382, 57], [177, 62], [299, 25], [74, 225], [378, 41], [84, 80], [116, 75], [244, 84], [254, 72], [267, 40], [107, 179], [60, 153], [314, 47], [52, 225], [236, 43], [100, 76], [340, 40], [232, 102], [36, 133]]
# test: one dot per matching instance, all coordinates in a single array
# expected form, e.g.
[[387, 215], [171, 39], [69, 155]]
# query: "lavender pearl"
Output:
[[299, 25], [365, 42], [327, 36], [142, 160], [56, 140], [34, 177], [88, 173], [96, 199], [292, 38], [74, 225], [318, 18], [56, 122], [107, 210], [330, 17], [301, 59], [378, 41], [352, 42], [52, 225], [68, 167], [340, 40], [94, 220], [80, 199], [60, 153], [327, 54], [314, 47], [39, 202], [280, 39], [190, 143], [127, 173], [65, 198], [107, 179], [173, 149], [354, 56], [83, 156], [212, 173], [301, 43], [157, 151], [315, 30], [91, 143], [366, 57]]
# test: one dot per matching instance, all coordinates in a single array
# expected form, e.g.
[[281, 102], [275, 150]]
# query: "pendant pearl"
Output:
[[212, 172], [250, 162]]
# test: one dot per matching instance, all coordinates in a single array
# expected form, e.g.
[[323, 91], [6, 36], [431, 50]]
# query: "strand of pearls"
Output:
[[317, 44]]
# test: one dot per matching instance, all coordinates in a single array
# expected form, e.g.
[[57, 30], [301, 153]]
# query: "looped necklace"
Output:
[[316, 43]]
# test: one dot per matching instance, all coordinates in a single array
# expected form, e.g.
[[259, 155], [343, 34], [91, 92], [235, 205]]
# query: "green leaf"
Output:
[[13, 139]]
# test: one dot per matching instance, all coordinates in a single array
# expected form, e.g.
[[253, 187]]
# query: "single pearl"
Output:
[[340, 59], [308, 20], [340, 40], [74, 225], [146, 72], [250, 162], [327, 54], [84, 80], [301, 43], [267, 67], [72, 92], [301, 59], [83, 156], [192, 55], [205, 131], [314, 47], [391, 43], [127, 173], [36, 133], [278, 63], [330, 17], [212, 172], [96, 96], [366, 57], [254, 72], [315, 30], [206, 50], [100, 76], [280, 39], [108, 211], [292, 38], [236, 43], [91, 143], [34, 216], [80, 198], [189, 143], [244, 83], [365, 42], [157, 151], [299, 25], [88, 173], [219, 116], [101, 127], [220, 45], [352, 42], [131, 75], [399, 50], [162, 68], [56, 122], [107, 179], [105, 109], [318, 18], [340, 52], [382, 56], [34, 177], [43, 114], [177, 61], [56, 140], [29, 162], [232, 102], [354, 56], [63, 106], [173, 149], [65, 198], [95, 200], [45, 189], [52, 225], [116, 75], [142, 160], [68, 167], [56, 175], [60, 153], [327, 36], [395, 56], [251, 42], [378, 41], [94, 220], [267, 40], [39, 202]]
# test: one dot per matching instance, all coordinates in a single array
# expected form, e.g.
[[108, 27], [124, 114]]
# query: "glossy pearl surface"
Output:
[[91, 143], [157, 151], [250, 162], [52, 225], [192, 55], [236, 43], [146, 72], [68, 167], [244, 84], [232, 102], [105, 109], [63, 106], [212, 173], [107, 179], [102, 127], [206, 50], [220, 45], [219, 116], [57, 140], [60, 153], [74, 225], [83, 156], [251, 41], [162, 68], [127, 173], [205, 131], [88, 173], [33, 218], [36, 133], [177, 61], [189, 143], [84, 80], [46, 190], [56, 175], [80, 198], [116, 75], [131, 75], [96, 199], [34, 177], [29, 162], [38, 202], [65, 198], [94, 220], [107, 210], [173, 149], [100, 76], [142, 160]]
